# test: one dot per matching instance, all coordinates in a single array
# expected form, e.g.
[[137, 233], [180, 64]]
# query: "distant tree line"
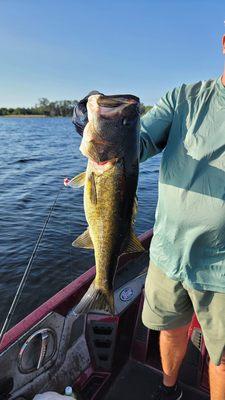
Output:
[[63, 108], [45, 107]]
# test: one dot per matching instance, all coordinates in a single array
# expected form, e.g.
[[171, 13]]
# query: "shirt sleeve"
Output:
[[155, 126]]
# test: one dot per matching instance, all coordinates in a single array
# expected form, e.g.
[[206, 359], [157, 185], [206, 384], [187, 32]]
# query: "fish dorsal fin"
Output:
[[133, 245], [93, 192], [78, 180], [84, 241]]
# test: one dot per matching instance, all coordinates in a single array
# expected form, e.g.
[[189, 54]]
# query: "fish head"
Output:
[[113, 122]]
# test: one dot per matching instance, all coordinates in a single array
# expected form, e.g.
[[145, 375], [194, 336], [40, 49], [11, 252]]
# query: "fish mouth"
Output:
[[110, 107], [115, 101]]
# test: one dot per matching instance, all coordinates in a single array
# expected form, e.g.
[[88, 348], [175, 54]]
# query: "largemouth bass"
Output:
[[111, 144]]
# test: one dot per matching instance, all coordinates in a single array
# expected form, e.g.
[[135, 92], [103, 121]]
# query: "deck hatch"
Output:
[[102, 330], [101, 335], [103, 344]]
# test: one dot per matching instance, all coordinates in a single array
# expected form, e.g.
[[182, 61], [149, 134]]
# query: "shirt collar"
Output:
[[220, 86]]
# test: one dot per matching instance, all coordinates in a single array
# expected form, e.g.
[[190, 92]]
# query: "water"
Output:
[[35, 156]]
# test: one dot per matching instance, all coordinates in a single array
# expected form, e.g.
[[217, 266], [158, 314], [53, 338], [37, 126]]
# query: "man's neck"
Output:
[[223, 79]]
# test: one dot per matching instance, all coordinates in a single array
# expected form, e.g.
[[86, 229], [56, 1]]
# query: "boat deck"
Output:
[[137, 381]]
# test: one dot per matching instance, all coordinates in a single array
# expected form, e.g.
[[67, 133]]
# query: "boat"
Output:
[[102, 357]]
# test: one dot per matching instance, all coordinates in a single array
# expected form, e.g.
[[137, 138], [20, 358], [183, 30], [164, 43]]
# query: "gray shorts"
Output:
[[169, 305]]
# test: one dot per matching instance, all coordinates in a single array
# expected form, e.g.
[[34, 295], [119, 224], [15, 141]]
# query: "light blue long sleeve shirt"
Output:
[[189, 231]]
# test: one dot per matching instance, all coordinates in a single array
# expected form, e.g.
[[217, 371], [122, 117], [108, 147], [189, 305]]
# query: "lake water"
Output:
[[35, 155]]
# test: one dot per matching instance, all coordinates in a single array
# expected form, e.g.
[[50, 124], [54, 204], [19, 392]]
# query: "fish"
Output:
[[111, 144]]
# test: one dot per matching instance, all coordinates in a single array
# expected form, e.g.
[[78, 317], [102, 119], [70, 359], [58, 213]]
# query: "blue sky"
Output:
[[61, 49]]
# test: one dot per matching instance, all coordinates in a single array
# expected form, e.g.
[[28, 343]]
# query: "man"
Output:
[[187, 268]]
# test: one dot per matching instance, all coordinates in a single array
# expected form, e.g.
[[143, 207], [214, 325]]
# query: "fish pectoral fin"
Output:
[[78, 180], [84, 241], [133, 245], [93, 192]]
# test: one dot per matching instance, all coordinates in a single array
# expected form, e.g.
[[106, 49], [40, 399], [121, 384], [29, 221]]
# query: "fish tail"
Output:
[[95, 299]]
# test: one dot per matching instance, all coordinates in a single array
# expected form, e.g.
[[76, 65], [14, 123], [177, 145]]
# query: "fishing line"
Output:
[[27, 270]]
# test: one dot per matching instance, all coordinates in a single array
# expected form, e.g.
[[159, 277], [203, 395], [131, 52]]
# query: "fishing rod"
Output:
[[27, 271]]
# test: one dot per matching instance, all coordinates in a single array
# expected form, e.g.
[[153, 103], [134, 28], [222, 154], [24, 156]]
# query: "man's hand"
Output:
[[80, 118]]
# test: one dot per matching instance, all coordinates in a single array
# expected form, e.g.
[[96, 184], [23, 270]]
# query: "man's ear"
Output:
[[223, 44]]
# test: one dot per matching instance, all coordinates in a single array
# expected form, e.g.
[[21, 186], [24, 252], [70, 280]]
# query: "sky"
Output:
[[62, 49]]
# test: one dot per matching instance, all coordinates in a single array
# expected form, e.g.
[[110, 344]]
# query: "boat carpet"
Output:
[[137, 382]]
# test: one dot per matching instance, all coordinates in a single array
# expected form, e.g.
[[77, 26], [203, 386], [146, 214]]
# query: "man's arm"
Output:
[[155, 126]]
